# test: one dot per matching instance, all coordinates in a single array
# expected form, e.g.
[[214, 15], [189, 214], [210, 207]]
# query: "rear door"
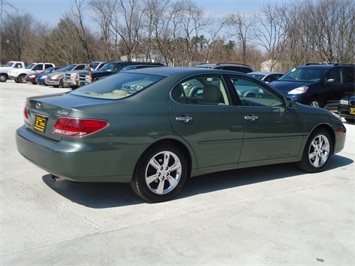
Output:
[[348, 75], [201, 112]]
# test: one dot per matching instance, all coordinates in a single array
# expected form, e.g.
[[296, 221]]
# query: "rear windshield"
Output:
[[117, 86]]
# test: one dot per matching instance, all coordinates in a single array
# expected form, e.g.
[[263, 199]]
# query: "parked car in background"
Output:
[[19, 75], [108, 69], [71, 78], [148, 127], [319, 85], [346, 108], [41, 77], [227, 66], [131, 67], [266, 76], [4, 71], [55, 79], [32, 78]]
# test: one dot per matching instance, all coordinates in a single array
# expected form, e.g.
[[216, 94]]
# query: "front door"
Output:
[[271, 130]]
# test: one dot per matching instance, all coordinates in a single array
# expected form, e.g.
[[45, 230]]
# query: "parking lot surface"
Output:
[[273, 215]]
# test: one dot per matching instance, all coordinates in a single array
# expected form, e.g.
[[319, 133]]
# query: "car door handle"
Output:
[[251, 117], [185, 119]]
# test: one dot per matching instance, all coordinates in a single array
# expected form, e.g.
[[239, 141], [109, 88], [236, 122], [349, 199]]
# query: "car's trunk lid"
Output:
[[41, 113]]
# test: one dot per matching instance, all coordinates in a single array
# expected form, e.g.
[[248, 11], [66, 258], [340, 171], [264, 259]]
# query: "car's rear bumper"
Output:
[[72, 161]]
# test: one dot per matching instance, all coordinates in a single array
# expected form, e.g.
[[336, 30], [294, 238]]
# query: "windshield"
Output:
[[30, 66], [117, 86], [48, 70], [108, 67], [304, 74], [67, 68], [9, 64]]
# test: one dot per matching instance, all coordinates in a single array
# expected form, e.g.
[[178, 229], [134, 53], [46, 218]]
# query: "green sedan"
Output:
[[155, 127]]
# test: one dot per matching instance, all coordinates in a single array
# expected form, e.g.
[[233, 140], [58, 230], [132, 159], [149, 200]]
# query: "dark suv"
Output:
[[228, 66], [319, 85]]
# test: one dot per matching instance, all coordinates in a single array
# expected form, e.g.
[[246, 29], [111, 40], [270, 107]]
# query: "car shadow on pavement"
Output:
[[108, 195]]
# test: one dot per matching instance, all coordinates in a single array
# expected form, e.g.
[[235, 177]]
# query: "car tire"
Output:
[[317, 152], [160, 173], [316, 103], [22, 79], [3, 78], [61, 83]]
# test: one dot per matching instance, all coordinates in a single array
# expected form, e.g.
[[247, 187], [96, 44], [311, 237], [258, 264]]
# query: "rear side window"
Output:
[[349, 74], [201, 90], [38, 67]]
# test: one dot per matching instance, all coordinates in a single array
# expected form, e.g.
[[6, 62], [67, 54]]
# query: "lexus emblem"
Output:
[[38, 106]]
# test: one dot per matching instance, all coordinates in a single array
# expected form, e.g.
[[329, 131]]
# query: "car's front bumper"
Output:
[[347, 111], [53, 82]]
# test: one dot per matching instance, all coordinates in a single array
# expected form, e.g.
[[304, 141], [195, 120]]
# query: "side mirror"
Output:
[[330, 81], [290, 103]]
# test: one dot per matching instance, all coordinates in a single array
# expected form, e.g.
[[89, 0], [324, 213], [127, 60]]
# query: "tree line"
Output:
[[179, 33]]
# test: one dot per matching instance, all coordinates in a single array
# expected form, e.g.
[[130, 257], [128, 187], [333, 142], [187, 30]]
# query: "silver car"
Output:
[[55, 79]]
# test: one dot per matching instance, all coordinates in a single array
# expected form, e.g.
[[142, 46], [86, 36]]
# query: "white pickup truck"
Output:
[[19, 75], [9, 66]]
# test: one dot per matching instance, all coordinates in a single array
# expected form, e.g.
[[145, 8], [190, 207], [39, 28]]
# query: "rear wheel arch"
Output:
[[161, 171], [177, 144]]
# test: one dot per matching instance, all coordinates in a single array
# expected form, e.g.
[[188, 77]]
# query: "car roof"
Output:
[[264, 72], [220, 64], [169, 71]]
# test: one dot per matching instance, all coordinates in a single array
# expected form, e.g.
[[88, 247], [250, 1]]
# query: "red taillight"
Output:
[[26, 116], [76, 127]]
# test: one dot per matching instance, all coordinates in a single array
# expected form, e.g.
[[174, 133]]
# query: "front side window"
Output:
[[203, 90], [252, 93], [80, 67], [117, 86]]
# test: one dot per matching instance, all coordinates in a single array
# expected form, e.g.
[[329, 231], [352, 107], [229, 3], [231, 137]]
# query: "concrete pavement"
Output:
[[274, 215]]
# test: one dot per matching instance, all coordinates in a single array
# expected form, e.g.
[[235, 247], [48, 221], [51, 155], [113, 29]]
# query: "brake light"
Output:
[[26, 116], [76, 127]]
